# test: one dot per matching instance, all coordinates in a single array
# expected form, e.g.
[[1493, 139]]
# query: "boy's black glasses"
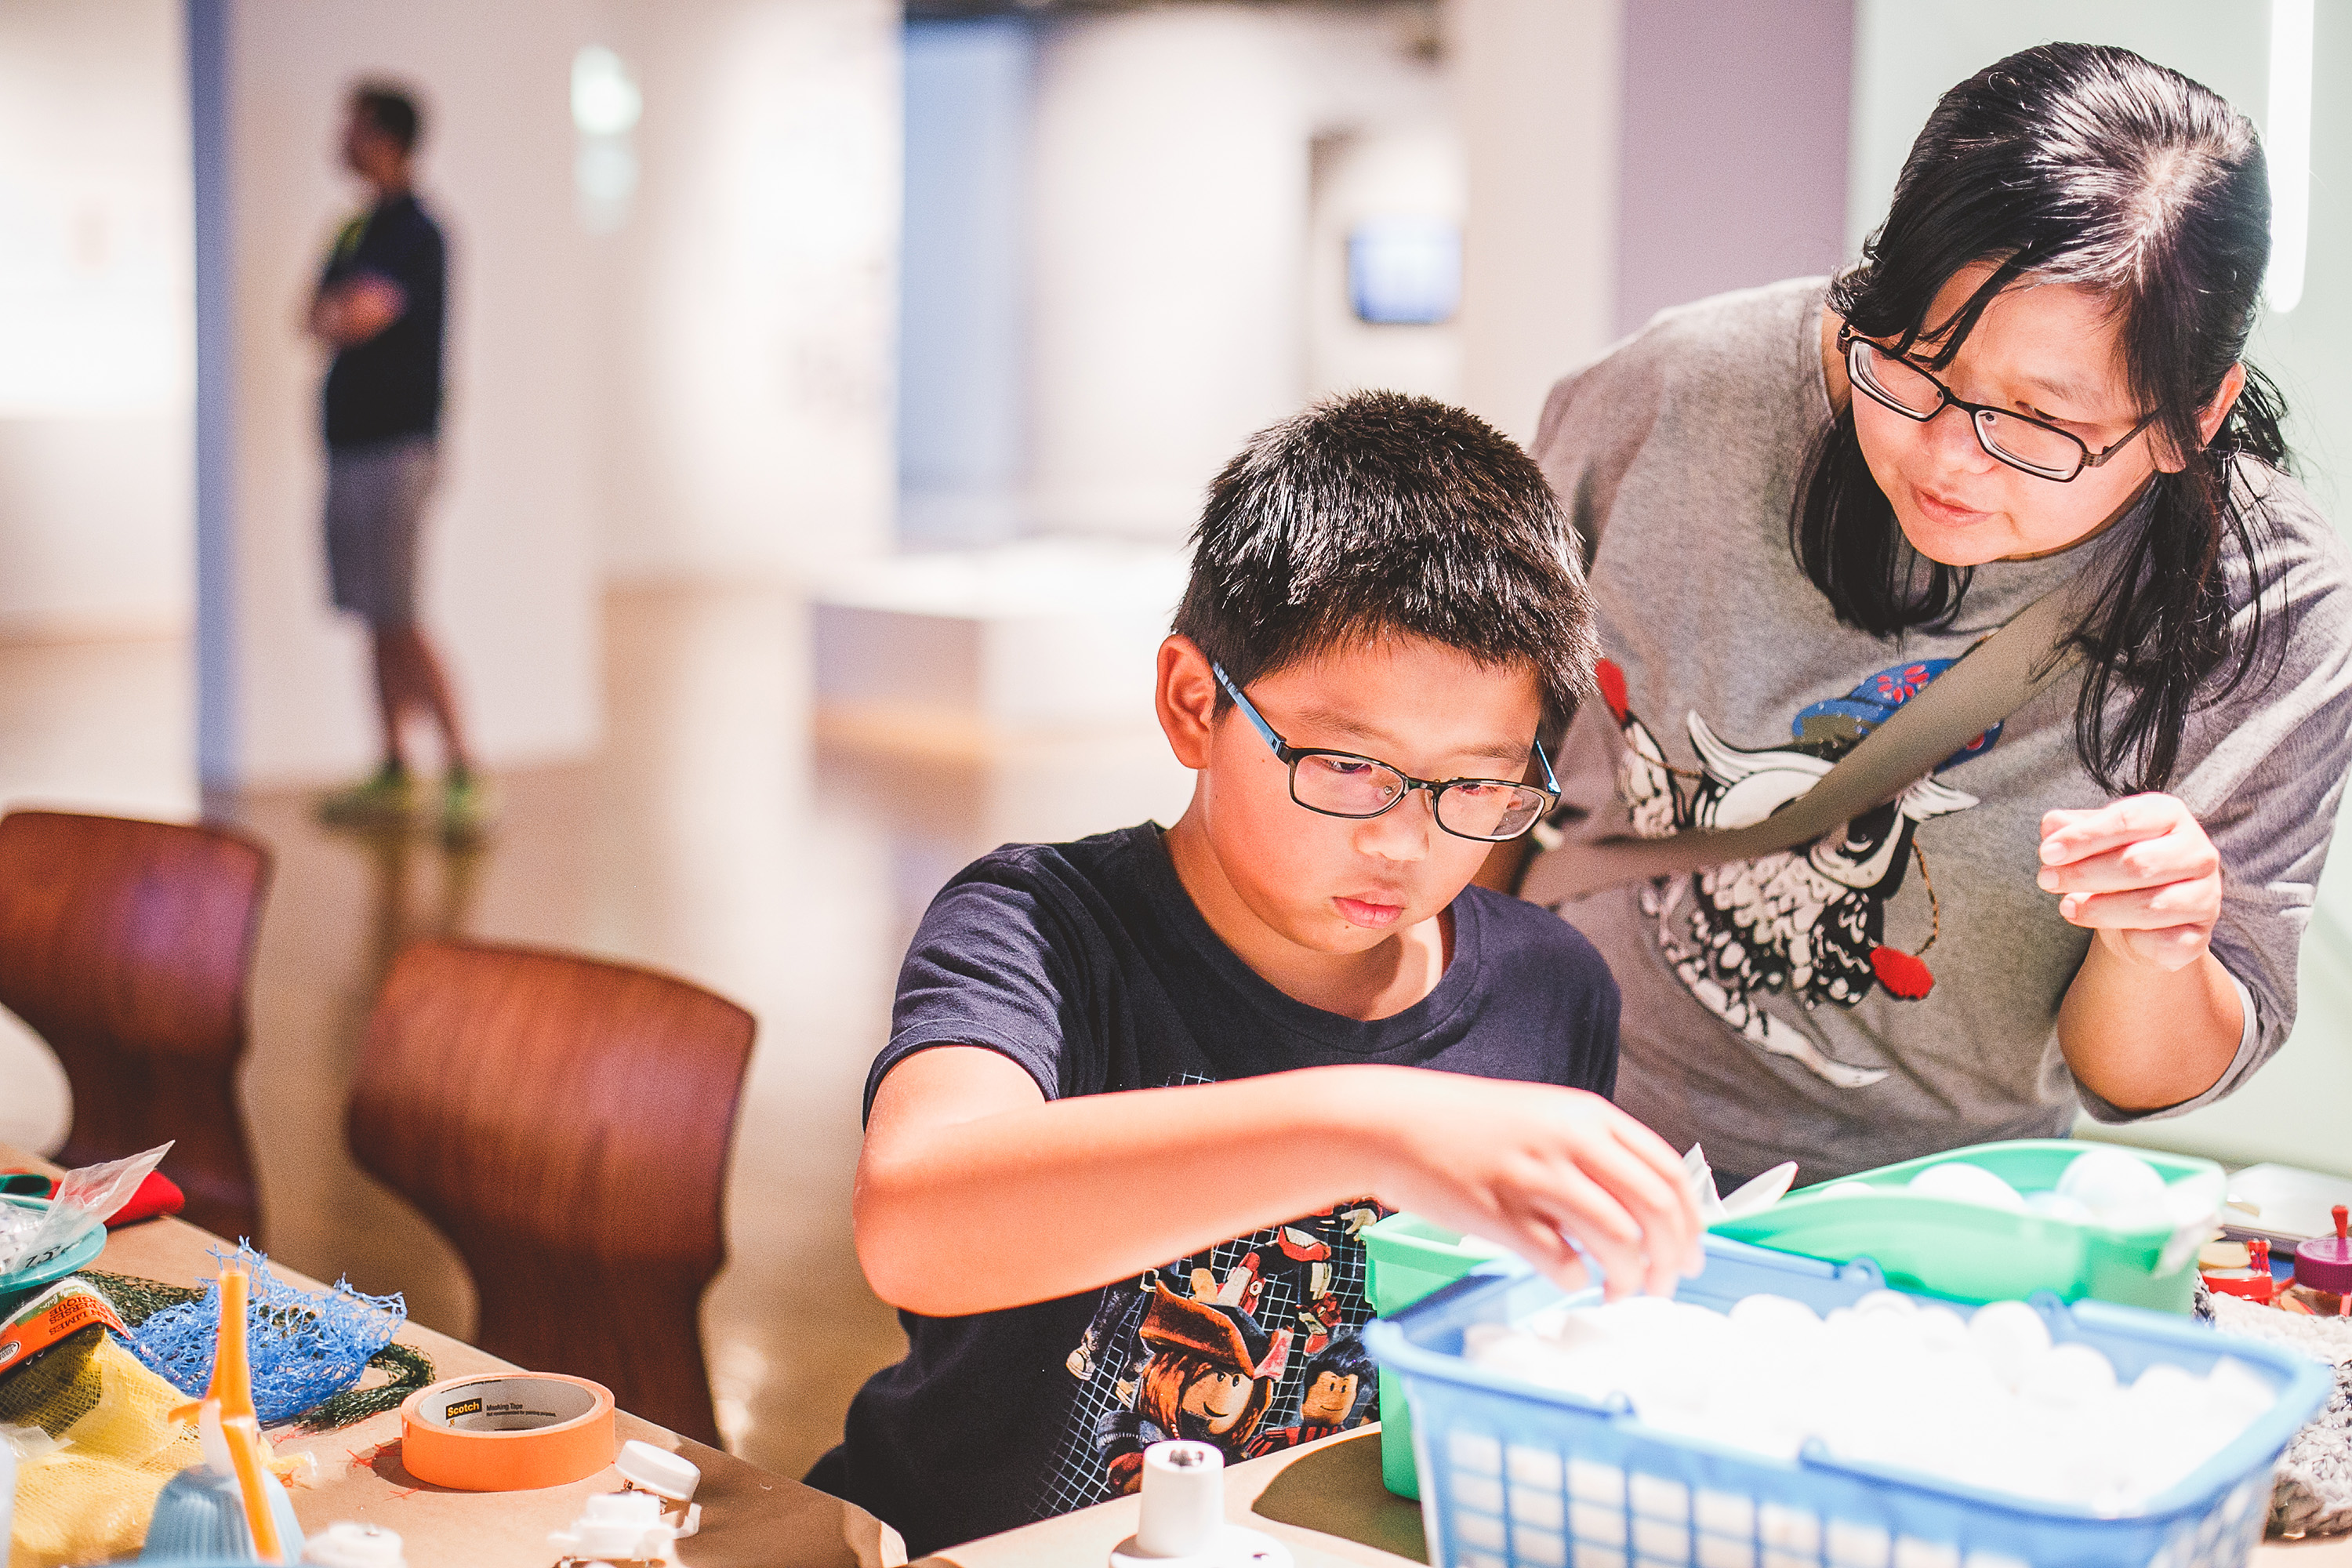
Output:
[[1341, 784], [2023, 442]]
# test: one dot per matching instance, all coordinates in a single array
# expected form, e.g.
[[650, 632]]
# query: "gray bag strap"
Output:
[[1991, 681]]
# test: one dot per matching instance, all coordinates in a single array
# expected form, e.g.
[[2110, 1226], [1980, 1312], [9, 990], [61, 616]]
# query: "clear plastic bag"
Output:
[[85, 1200]]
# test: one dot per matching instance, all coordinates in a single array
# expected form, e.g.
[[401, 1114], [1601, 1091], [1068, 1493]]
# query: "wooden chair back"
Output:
[[566, 1124], [126, 945]]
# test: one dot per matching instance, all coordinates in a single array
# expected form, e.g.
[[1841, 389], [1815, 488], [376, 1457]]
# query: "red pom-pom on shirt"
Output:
[[1611, 681], [1904, 974]]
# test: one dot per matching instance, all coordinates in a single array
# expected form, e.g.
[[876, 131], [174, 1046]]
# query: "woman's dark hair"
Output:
[[2083, 164], [1379, 514]]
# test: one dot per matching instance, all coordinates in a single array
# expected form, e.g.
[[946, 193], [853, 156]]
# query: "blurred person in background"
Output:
[[380, 305]]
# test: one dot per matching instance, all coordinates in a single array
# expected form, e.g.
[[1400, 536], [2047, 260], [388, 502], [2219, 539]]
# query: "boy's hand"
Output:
[[1530, 1165]]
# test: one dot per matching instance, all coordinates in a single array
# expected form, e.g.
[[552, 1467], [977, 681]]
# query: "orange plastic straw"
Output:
[[230, 1393]]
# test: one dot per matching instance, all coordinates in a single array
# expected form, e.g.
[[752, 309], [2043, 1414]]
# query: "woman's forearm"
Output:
[[2141, 1037]]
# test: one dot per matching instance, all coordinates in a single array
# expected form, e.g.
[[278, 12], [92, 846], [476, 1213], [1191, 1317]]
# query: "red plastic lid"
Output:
[[2325, 1263]]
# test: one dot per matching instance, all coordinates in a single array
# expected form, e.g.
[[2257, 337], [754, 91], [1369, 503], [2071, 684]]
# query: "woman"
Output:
[[1801, 503]]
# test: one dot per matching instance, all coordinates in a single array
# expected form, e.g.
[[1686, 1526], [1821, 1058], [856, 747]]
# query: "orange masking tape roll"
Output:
[[506, 1432]]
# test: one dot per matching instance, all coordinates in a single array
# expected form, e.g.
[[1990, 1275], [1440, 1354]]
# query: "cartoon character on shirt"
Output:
[[1210, 1377], [1301, 1257], [1335, 1394], [1808, 922]]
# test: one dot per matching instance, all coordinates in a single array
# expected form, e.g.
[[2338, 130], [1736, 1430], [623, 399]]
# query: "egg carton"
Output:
[[1514, 1476]]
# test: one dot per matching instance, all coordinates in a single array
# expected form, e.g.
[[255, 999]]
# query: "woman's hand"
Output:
[[2140, 873]]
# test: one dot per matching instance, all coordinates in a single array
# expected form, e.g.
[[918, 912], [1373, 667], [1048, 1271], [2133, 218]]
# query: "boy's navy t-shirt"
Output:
[[1087, 964]]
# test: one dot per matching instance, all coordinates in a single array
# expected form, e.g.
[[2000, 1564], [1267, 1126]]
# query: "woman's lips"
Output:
[[1364, 912], [1951, 514]]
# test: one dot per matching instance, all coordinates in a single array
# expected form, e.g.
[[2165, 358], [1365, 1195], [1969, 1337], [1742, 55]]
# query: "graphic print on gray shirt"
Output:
[[1894, 993]]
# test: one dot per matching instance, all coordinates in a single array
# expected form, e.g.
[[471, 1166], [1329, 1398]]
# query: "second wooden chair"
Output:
[[566, 1124]]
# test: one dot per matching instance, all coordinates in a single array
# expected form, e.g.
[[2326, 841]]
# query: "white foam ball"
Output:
[[2070, 1376], [2011, 1335], [2236, 1393], [1963, 1183], [2165, 1395], [2057, 1206], [1941, 1330], [2117, 1189], [1782, 1312]]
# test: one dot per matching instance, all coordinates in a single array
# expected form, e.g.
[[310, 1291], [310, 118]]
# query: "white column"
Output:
[[1538, 86], [1170, 171], [750, 303]]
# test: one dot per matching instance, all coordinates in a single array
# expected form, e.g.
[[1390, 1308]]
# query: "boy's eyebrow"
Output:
[[1373, 738]]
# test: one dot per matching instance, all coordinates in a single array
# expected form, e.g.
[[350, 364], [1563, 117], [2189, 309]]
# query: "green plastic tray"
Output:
[[1409, 1259], [1978, 1254]]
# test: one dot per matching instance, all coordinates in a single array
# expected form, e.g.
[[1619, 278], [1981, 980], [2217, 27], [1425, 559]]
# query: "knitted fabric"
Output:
[[2312, 1495]]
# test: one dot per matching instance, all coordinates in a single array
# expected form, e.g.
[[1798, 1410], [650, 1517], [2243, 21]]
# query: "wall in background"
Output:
[[1536, 83], [1734, 170], [511, 565], [743, 330], [97, 322], [1409, 167], [1906, 52], [1170, 192]]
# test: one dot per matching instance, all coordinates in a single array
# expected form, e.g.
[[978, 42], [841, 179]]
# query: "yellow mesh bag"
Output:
[[90, 1500]]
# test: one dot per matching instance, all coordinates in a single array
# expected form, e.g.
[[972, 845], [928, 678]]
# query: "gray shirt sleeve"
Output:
[[2266, 767]]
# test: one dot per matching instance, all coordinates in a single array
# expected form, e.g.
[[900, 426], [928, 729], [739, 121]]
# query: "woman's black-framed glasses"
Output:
[[1342, 783], [2019, 440]]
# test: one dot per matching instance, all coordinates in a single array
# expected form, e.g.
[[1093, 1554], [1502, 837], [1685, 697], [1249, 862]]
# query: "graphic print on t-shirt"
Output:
[[1811, 923], [1252, 1345]]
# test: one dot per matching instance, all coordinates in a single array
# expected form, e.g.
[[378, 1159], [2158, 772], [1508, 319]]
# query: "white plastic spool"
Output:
[[1184, 1518]]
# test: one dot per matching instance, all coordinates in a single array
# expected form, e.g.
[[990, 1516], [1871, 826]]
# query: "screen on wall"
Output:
[[1405, 271]]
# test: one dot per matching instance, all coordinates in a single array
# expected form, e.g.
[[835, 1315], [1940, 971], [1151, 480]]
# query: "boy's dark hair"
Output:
[[389, 113], [1378, 515]]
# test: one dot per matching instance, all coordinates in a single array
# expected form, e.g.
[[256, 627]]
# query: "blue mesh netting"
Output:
[[303, 1346]]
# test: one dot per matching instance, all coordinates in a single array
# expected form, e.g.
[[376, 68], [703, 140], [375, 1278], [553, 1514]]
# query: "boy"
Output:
[[1383, 613]]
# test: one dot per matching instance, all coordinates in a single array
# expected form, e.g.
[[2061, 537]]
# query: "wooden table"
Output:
[[1324, 1500], [750, 1519]]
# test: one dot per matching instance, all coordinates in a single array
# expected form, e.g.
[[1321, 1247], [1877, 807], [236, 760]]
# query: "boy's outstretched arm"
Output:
[[974, 1194]]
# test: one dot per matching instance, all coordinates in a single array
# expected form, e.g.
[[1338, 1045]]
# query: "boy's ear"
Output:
[[1187, 700]]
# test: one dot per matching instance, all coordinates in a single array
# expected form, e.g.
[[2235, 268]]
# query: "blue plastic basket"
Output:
[[1531, 1477]]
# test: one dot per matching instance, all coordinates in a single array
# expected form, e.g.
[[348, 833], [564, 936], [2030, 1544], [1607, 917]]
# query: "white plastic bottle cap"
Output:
[[350, 1545], [617, 1527], [658, 1470]]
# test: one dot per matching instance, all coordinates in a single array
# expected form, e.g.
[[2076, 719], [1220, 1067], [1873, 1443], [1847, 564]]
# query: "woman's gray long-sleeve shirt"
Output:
[[1768, 1006]]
